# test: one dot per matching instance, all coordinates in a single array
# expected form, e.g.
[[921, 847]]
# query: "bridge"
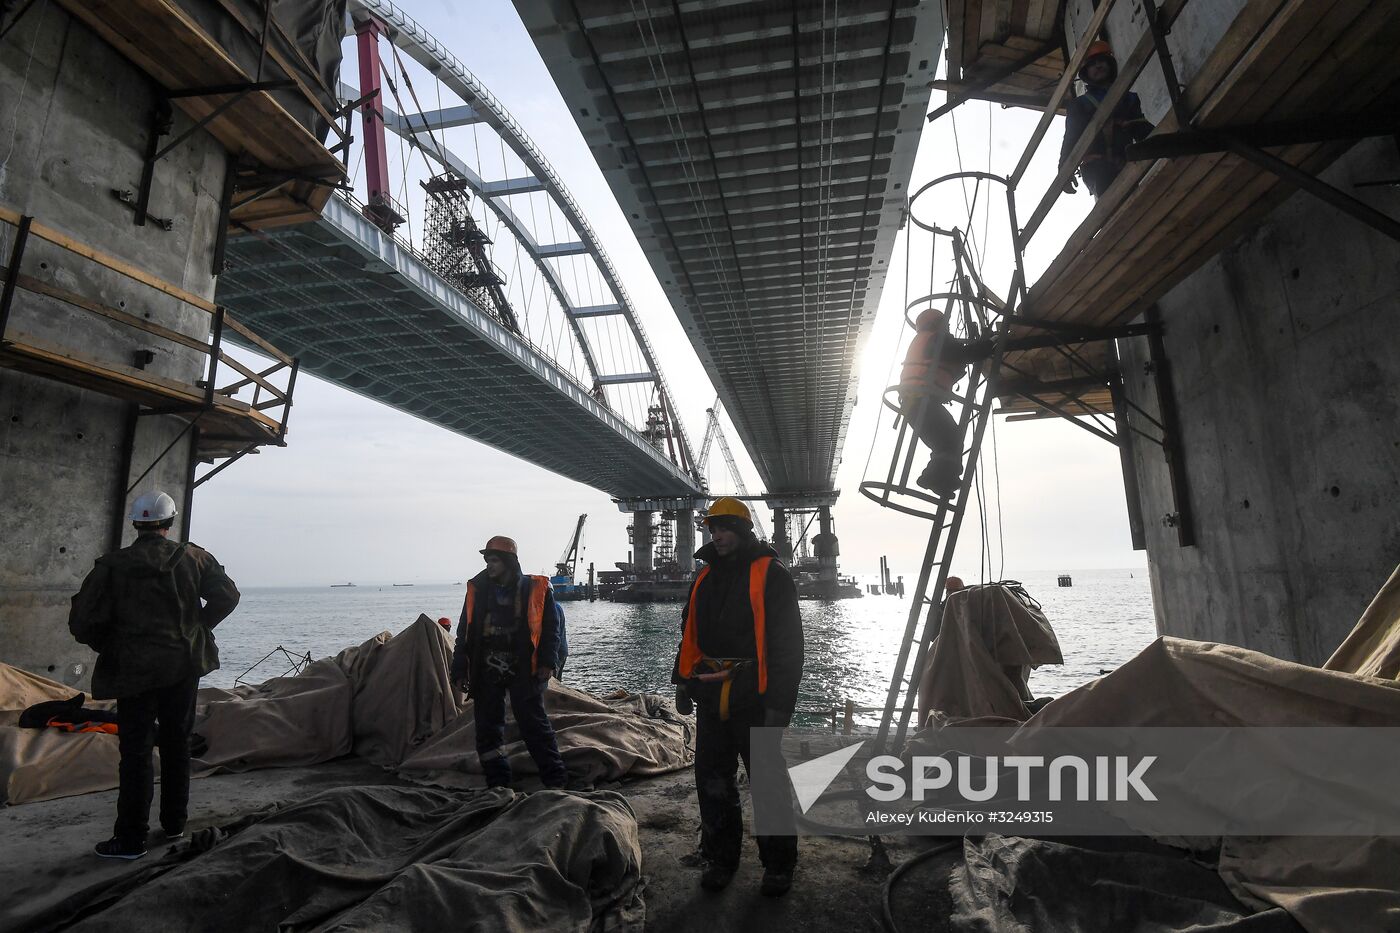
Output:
[[384, 310], [762, 152]]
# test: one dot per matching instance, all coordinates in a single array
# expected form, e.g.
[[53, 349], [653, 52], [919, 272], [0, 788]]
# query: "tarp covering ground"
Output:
[[1324, 883], [388, 700], [392, 858]]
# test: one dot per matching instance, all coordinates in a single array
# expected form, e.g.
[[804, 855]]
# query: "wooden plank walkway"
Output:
[[1279, 61]]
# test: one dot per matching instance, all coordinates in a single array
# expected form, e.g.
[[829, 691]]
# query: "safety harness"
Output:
[[696, 664]]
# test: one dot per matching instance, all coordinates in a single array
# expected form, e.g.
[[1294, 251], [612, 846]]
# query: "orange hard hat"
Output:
[[445, 622], [500, 543], [1097, 49]]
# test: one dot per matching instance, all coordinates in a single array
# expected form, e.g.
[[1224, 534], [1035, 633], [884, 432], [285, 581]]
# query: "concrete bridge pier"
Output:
[[685, 539], [642, 536], [781, 542], [825, 546]]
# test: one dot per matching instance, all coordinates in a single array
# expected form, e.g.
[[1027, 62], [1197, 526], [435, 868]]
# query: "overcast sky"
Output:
[[365, 493]]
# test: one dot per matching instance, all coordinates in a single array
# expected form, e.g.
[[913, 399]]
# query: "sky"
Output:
[[368, 494]]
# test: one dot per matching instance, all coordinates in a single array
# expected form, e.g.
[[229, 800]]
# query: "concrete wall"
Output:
[[74, 120], [1285, 356]]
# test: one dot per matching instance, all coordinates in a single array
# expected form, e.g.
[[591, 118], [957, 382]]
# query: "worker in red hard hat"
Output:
[[508, 646], [1107, 154], [739, 664], [925, 383]]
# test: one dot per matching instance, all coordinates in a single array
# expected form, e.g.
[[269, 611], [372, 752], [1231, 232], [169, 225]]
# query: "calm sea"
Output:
[[1102, 620]]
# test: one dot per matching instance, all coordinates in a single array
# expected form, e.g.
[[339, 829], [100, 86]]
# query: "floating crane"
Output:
[[566, 564], [714, 432]]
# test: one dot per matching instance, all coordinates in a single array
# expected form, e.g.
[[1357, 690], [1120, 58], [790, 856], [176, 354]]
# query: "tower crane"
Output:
[[714, 432]]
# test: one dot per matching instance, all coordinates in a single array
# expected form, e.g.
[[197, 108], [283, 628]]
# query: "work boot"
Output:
[[115, 848], [174, 830], [776, 882], [716, 877]]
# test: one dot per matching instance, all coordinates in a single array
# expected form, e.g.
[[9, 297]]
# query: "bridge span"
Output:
[[374, 310]]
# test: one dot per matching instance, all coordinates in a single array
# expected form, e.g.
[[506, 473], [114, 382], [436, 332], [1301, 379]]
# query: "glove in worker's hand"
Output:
[[684, 704], [544, 674]]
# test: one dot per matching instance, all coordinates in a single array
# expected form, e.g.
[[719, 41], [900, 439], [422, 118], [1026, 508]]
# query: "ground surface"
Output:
[[46, 854]]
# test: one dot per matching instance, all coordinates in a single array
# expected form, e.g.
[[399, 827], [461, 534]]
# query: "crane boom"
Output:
[[738, 480], [566, 563]]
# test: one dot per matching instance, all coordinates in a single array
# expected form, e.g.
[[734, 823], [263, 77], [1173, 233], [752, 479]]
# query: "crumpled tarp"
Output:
[[1373, 647], [1325, 883], [402, 858], [632, 735], [1005, 883], [388, 700], [984, 629]]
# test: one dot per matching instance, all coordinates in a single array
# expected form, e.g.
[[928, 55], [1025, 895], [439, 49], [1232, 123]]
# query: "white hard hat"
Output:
[[152, 507]]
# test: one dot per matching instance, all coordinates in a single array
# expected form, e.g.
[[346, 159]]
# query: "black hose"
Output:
[[898, 873]]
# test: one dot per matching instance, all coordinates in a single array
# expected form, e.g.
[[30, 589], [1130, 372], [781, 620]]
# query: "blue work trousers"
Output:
[[527, 704]]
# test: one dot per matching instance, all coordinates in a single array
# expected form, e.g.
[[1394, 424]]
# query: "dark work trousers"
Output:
[[935, 425], [527, 703], [162, 717], [719, 745], [1098, 175]]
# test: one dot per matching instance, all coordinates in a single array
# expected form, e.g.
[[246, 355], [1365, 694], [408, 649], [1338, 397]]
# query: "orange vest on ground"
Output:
[[691, 655], [83, 725], [920, 370], [534, 612]]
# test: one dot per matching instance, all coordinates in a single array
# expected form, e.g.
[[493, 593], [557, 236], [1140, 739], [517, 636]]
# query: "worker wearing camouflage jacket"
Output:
[[149, 611]]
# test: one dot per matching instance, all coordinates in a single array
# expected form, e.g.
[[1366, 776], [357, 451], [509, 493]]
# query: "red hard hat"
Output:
[[500, 543], [445, 622]]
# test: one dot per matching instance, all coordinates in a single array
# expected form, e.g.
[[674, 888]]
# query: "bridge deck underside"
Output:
[[370, 325], [761, 152]]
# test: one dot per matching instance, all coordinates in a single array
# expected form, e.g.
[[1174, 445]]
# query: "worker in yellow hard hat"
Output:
[[508, 646], [739, 665], [1107, 154]]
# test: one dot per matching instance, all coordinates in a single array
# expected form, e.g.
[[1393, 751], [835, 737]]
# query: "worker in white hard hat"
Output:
[[149, 611], [739, 664]]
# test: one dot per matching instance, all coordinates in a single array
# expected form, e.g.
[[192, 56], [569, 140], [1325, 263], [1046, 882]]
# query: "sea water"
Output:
[[851, 645]]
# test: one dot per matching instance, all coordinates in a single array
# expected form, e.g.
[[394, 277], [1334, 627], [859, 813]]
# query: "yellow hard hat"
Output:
[[728, 506]]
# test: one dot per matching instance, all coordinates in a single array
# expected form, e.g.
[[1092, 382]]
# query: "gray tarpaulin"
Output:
[[633, 735], [1325, 884], [984, 629], [399, 858], [304, 35], [388, 700]]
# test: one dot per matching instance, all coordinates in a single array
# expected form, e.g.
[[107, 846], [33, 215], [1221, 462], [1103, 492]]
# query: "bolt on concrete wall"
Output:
[[74, 121]]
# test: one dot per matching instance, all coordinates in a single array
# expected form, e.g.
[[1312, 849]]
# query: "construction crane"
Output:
[[714, 432], [565, 565]]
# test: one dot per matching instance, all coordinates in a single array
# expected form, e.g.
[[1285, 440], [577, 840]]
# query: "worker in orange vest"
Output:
[[739, 664], [508, 646], [1107, 154], [924, 384]]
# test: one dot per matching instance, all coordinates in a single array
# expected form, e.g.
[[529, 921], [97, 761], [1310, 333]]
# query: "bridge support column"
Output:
[[826, 547], [685, 539], [781, 542], [642, 529]]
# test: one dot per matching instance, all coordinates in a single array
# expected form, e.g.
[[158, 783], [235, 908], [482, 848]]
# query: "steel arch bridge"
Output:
[[366, 311]]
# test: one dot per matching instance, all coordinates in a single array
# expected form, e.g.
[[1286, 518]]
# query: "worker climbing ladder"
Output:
[[968, 306]]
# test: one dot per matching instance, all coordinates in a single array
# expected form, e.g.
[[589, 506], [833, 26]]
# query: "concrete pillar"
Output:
[[67, 454], [781, 542], [642, 527], [685, 539], [825, 546]]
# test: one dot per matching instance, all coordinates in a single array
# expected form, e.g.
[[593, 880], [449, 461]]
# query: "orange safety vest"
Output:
[[692, 657], [534, 613], [84, 725], [918, 368]]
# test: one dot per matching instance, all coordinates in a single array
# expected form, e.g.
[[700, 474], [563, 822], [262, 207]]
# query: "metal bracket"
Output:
[[7, 292], [128, 197]]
